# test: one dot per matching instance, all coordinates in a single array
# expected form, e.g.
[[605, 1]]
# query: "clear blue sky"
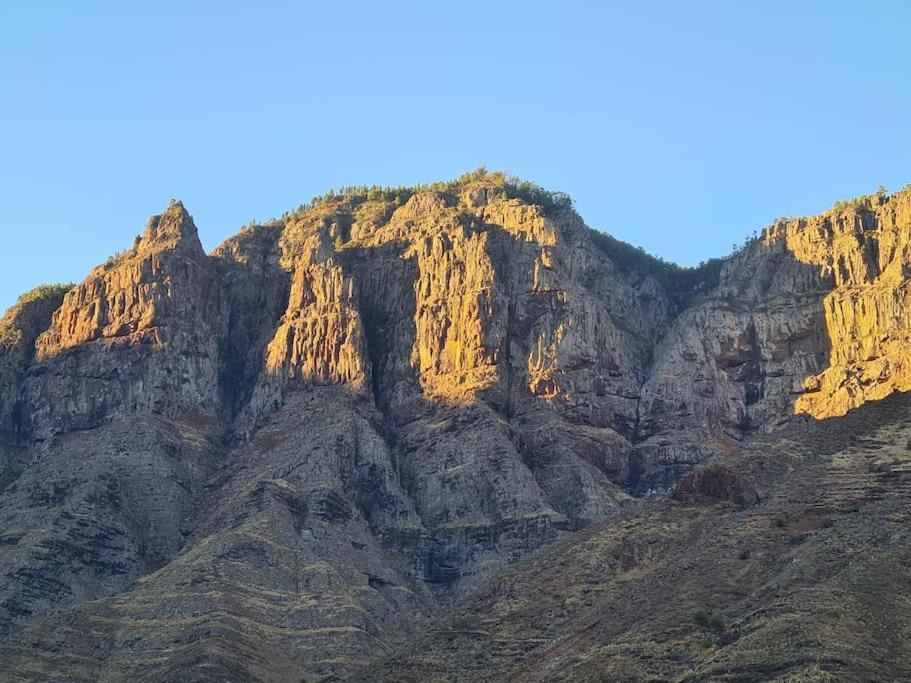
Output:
[[676, 126]]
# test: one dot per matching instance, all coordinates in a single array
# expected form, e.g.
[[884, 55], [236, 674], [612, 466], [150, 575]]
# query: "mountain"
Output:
[[456, 413], [787, 561]]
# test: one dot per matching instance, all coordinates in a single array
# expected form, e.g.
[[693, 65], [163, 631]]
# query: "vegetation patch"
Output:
[[514, 188], [864, 200], [46, 291], [675, 278], [708, 620], [10, 332]]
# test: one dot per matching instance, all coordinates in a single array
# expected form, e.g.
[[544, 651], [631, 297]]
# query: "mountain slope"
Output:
[[276, 460], [786, 561]]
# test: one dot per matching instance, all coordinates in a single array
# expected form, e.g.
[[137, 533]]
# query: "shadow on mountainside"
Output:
[[516, 387]]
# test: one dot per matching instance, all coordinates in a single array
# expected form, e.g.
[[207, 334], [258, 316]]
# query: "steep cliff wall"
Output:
[[20, 326], [139, 335], [866, 250], [389, 395], [811, 318]]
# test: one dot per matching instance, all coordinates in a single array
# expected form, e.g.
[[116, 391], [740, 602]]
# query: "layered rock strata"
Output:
[[336, 420]]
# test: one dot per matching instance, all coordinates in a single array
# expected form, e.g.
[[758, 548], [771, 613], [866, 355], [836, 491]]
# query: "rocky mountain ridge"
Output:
[[338, 420]]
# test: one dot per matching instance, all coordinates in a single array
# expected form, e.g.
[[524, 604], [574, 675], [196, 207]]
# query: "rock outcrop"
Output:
[[22, 324], [808, 581], [866, 252], [295, 445], [139, 336], [810, 318]]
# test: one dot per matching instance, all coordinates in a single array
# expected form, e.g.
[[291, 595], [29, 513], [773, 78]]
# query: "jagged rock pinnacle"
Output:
[[173, 226]]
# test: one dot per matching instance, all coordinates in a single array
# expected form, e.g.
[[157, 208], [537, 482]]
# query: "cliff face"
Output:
[[713, 582], [138, 336], [867, 315], [811, 318], [386, 397]]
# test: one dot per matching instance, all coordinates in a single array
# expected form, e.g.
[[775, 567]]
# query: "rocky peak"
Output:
[[173, 227], [140, 333]]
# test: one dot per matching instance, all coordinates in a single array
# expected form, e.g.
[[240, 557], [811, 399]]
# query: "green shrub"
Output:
[[514, 187], [46, 291], [674, 278], [863, 200], [10, 334], [708, 620], [530, 193]]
